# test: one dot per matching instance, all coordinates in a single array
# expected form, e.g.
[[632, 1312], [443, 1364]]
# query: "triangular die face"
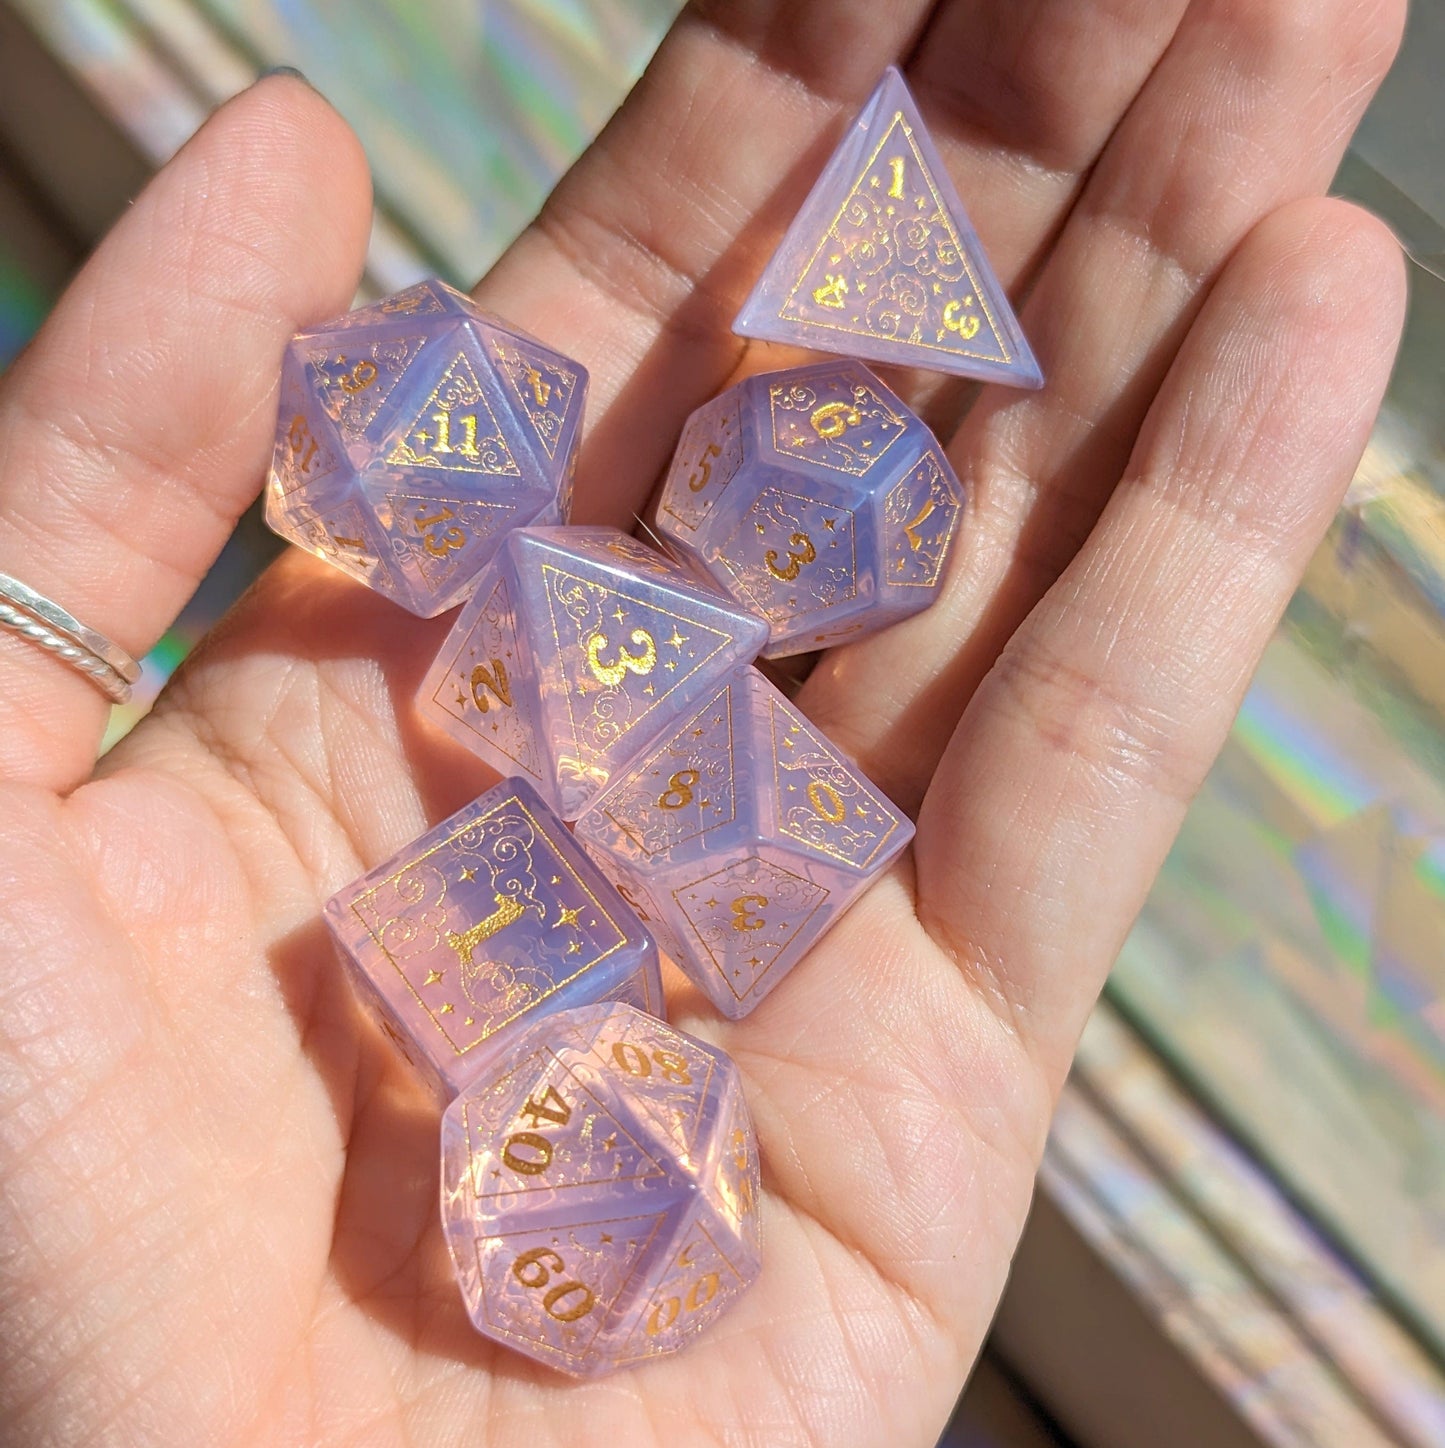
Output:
[[449, 539], [486, 687], [306, 451], [823, 803], [682, 790], [549, 390], [883, 263], [553, 1289], [697, 1284], [343, 534], [622, 653], [744, 917], [352, 382], [539, 1134], [455, 429], [423, 299]]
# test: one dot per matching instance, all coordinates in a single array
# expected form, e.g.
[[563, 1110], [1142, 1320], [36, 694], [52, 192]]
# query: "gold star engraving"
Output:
[[605, 1238], [711, 904], [618, 614], [469, 1021], [468, 874], [860, 812], [677, 639], [568, 917], [556, 879], [434, 977], [573, 946], [828, 523], [447, 1009]]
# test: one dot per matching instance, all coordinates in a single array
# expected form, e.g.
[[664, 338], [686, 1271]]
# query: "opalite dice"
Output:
[[817, 498], [740, 838], [491, 918], [580, 646], [412, 433], [882, 261], [600, 1190]]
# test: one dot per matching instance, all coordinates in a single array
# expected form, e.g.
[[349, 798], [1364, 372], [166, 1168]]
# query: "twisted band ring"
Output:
[[50, 627]]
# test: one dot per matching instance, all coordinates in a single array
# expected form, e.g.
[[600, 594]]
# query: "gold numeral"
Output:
[[633, 901], [493, 680], [358, 545], [833, 419], [550, 1108], [895, 189], [698, 482], [966, 327], [679, 790], [826, 801], [468, 445], [540, 390], [671, 1308], [800, 551], [743, 906], [533, 1141], [360, 377], [509, 910], [441, 543], [911, 527], [631, 1058], [529, 1152], [301, 442], [534, 1269], [627, 663]]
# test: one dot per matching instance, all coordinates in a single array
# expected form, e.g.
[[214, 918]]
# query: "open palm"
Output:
[[217, 1188]]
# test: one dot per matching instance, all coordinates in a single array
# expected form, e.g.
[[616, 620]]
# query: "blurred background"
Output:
[[1239, 1236]]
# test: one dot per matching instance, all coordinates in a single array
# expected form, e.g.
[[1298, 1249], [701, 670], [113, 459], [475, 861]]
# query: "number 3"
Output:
[[805, 553], [626, 663]]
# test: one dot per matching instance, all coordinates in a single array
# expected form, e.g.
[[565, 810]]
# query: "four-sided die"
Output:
[[599, 1192], [816, 498], [579, 646], [492, 917], [412, 433], [740, 837]]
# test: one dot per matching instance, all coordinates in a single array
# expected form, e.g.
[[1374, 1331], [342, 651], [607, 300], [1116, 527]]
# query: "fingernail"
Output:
[[283, 70]]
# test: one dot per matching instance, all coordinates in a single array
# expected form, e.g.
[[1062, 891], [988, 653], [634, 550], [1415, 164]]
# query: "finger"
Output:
[[1071, 769], [136, 428], [1021, 100], [1252, 106]]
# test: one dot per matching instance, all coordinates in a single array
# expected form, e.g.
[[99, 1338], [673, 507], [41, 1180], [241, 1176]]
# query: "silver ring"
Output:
[[50, 627]]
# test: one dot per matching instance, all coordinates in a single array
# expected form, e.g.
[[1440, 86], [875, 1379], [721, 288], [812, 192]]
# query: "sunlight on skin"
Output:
[[218, 1186]]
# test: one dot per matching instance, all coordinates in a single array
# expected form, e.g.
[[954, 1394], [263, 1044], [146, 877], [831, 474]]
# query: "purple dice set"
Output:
[[600, 1175]]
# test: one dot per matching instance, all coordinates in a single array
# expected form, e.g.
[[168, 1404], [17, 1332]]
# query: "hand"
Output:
[[219, 1208]]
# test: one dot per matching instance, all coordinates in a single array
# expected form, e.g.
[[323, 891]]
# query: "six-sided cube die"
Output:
[[815, 497], [412, 433], [491, 917], [599, 1193], [740, 837], [579, 646]]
